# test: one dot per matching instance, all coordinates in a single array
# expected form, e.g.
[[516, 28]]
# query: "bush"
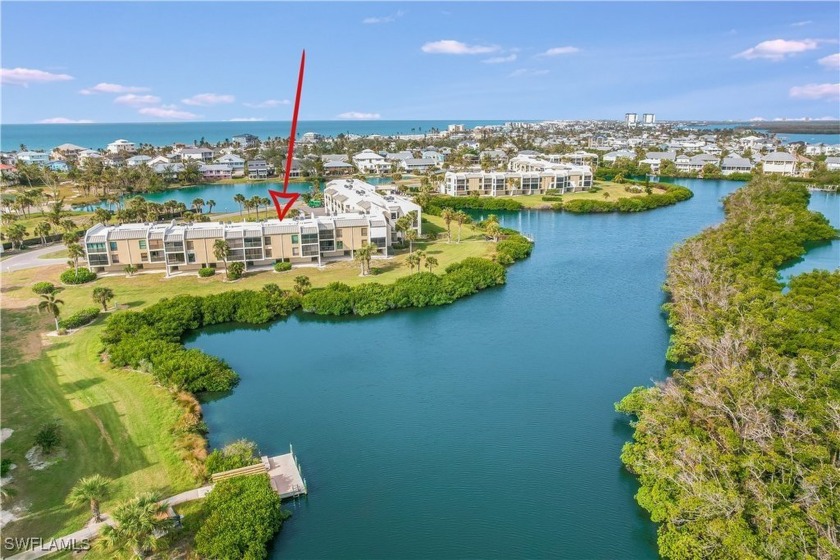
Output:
[[5, 467], [473, 202], [42, 288], [49, 436], [552, 198], [282, 266], [514, 248], [335, 299], [79, 318], [240, 453], [244, 514], [206, 272], [82, 276], [234, 270]]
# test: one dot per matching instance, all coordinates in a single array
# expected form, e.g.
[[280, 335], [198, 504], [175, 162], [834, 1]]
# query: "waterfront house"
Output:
[[258, 169], [88, 155], [236, 164], [496, 156], [435, 155], [215, 171], [832, 163], [804, 165], [368, 161], [337, 167], [417, 165], [158, 159], [245, 140], [781, 163], [121, 146], [335, 157], [732, 165], [134, 161], [194, 154], [36, 158], [168, 171], [296, 170], [67, 151], [398, 156], [171, 247], [58, 166], [611, 157]]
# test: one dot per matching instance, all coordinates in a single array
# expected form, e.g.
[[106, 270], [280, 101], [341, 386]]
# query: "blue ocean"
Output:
[[95, 136]]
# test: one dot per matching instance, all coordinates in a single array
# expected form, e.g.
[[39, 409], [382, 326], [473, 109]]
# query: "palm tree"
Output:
[[102, 296], [16, 233], [256, 202], [412, 260], [50, 304], [130, 269], [461, 218], [138, 520], [75, 252], [493, 230], [431, 262], [56, 214], [42, 230], [210, 205], [606, 195], [411, 237], [91, 489], [239, 199], [448, 216], [265, 202], [302, 284], [198, 204], [221, 250]]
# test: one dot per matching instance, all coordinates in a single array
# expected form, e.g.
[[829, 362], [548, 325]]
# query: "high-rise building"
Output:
[[631, 119], [649, 118]]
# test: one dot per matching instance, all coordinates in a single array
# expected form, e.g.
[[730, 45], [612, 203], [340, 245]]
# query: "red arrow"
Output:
[[289, 198]]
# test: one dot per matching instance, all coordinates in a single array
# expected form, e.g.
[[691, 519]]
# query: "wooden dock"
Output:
[[285, 475]]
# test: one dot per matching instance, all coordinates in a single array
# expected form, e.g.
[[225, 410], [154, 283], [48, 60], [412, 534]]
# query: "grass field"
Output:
[[615, 191], [57, 254], [117, 422]]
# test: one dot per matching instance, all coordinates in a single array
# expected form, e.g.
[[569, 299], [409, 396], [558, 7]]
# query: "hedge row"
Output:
[[417, 290], [151, 339], [79, 318], [474, 203]]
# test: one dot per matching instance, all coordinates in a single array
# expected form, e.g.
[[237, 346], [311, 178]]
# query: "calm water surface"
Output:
[[482, 429]]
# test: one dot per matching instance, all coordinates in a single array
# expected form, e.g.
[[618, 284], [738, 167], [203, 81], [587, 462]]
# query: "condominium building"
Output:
[[172, 247], [353, 195], [562, 178]]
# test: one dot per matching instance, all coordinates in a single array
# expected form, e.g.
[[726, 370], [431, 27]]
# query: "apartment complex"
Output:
[[172, 247], [353, 195]]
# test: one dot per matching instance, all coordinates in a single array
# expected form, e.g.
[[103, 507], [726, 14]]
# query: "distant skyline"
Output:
[[68, 62]]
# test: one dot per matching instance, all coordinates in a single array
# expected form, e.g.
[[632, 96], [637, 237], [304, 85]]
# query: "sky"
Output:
[[220, 61]]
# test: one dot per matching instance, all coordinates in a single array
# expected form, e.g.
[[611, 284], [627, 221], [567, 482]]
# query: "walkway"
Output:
[[29, 259]]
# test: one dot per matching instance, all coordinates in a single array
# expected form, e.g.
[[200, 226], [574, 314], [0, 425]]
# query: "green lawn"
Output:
[[615, 191], [117, 422], [57, 254]]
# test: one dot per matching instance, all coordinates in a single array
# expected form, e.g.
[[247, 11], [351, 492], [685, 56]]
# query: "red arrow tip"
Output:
[[283, 206]]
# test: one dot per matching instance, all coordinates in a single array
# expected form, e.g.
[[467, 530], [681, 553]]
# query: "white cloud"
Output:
[[25, 76], [135, 100], [105, 87], [448, 46], [383, 19], [527, 72], [64, 120], [832, 61], [246, 119], [757, 119], [801, 23], [356, 115], [268, 103], [778, 49], [816, 91], [500, 59], [205, 99], [167, 112], [557, 51]]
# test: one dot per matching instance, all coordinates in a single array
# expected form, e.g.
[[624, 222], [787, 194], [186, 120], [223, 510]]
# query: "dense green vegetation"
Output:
[[417, 290], [79, 318], [439, 202], [240, 453], [244, 515], [79, 276], [739, 456], [672, 194]]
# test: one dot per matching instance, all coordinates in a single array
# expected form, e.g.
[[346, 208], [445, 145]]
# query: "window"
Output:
[[295, 251], [364, 231], [144, 257], [190, 245], [339, 244], [112, 245], [191, 257], [115, 259], [295, 238], [143, 244], [96, 247], [338, 233], [267, 241]]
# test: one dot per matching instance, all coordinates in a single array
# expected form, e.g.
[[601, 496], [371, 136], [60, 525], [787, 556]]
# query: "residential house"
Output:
[[731, 165], [58, 166], [419, 165], [88, 155], [236, 164], [832, 163], [194, 154], [168, 171], [576, 158], [368, 161], [296, 170], [337, 167], [258, 169], [67, 151], [158, 159], [782, 163], [611, 157], [435, 155], [215, 171], [134, 161], [245, 140], [37, 158], [121, 146]]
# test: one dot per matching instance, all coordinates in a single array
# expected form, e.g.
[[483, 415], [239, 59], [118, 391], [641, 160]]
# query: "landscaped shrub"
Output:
[[81, 276], [474, 202], [42, 288], [206, 272], [552, 198], [240, 453], [49, 436], [244, 514], [234, 270], [79, 318], [282, 266]]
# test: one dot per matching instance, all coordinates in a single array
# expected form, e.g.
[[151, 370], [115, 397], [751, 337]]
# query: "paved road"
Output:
[[29, 259], [82, 536]]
